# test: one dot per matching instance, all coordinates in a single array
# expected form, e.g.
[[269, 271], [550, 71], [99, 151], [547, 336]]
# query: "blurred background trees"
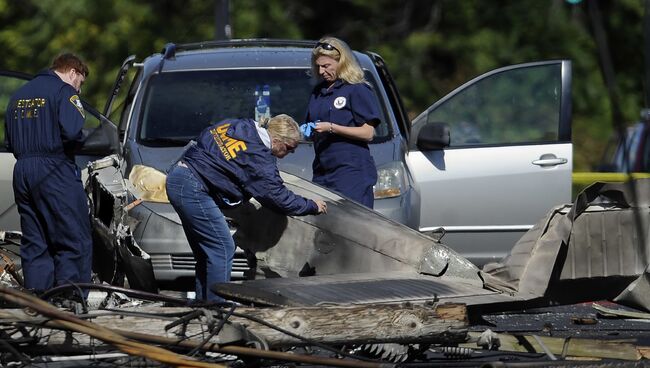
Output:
[[431, 47]]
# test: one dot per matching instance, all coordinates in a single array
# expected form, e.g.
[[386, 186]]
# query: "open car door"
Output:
[[101, 139], [507, 162]]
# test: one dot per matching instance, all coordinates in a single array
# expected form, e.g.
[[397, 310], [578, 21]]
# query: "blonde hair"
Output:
[[348, 69], [282, 127]]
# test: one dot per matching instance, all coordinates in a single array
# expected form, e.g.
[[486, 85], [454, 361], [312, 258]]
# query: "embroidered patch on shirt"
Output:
[[74, 99], [339, 102]]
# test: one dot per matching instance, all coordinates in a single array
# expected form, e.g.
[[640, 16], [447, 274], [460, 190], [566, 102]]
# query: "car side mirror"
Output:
[[433, 136]]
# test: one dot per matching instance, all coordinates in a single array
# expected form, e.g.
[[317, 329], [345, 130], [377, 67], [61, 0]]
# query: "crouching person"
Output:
[[232, 161]]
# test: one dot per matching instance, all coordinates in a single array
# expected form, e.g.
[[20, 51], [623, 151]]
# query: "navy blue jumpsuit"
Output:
[[343, 164], [229, 164], [43, 126]]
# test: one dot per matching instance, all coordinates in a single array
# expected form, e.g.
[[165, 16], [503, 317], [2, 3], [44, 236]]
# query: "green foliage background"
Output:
[[431, 47]]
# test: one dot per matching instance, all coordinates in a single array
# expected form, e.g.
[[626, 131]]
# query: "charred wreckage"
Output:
[[351, 289]]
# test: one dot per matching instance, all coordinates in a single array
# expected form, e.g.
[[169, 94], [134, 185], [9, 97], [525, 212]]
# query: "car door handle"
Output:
[[550, 161]]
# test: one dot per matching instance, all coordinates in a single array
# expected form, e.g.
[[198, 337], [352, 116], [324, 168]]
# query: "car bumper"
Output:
[[159, 233]]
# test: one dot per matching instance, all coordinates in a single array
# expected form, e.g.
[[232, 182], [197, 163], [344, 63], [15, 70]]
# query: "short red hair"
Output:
[[67, 61]]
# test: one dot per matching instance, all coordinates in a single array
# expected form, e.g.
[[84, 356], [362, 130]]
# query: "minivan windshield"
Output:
[[179, 105]]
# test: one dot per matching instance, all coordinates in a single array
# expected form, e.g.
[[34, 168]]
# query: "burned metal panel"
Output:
[[591, 249], [366, 288], [350, 238], [637, 293], [115, 252], [511, 268]]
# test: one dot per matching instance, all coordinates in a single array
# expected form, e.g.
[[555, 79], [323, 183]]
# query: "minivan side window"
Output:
[[513, 107]]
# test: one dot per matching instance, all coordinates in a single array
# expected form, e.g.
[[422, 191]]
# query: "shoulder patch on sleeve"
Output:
[[74, 99]]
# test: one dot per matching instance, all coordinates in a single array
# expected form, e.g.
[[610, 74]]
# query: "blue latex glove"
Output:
[[307, 129]]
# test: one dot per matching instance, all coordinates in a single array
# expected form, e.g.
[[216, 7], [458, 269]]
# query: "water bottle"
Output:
[[262, 102], [258, 102], [266, 97]]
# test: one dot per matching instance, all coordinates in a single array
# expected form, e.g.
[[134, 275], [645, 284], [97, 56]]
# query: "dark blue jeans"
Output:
[[206, 230]]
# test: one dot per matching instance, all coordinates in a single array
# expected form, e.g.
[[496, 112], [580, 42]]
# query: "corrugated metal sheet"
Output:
[[604, 243], [364, 288], [592, 249]]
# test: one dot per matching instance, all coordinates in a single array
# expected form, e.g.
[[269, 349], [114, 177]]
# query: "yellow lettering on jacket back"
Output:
[[227, 145]]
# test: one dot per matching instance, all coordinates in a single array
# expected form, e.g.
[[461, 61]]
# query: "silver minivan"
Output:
[[480, 166]]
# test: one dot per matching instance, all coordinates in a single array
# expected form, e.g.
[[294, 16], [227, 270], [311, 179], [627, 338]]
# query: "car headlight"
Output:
[[390, 181]]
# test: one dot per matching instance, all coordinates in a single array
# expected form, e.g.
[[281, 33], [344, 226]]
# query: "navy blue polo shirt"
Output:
[[234, 165], [44, 118], [338, 159]]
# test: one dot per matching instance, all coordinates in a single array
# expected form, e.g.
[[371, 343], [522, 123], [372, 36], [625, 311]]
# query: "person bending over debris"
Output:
[[232, 161], [43, 126]]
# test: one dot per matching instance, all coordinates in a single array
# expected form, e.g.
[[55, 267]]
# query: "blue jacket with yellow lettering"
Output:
[[44, 118], [233, 163]]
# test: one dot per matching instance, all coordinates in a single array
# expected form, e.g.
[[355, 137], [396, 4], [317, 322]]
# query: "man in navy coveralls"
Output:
[[43, 126]]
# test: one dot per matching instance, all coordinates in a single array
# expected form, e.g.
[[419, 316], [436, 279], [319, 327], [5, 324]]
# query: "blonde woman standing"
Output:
[[347, 112]]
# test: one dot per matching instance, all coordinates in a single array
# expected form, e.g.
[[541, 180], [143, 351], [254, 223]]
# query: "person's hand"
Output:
[[322, 206], [324, 127]]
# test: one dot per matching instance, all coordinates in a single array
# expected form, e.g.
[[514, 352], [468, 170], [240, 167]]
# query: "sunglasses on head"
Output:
[[327, 46]]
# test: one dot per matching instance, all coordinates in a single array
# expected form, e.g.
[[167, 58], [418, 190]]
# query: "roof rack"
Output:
[[170, 49]]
